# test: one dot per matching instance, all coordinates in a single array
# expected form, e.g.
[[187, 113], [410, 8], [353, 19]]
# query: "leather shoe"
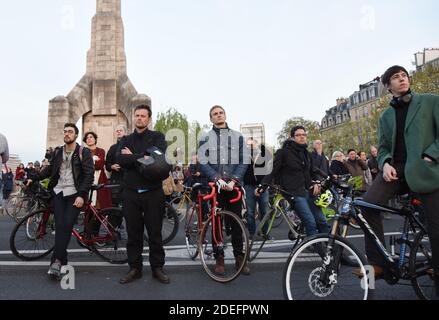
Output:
[[134, 274], [378, 272], [160, 275]]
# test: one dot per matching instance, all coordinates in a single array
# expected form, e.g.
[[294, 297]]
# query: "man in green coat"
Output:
[[408, 158]]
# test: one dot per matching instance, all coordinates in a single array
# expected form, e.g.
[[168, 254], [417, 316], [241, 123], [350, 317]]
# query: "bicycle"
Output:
[[296, 231], [194, 222], [338, 187], [104, 233], [24, 200], [182, 203], [213, 237], [277, 202], [315, 270]]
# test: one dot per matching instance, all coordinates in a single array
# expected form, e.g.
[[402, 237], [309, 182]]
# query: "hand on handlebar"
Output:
[[222, 185]]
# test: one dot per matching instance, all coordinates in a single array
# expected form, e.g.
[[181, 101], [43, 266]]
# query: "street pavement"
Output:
[[95, 279]]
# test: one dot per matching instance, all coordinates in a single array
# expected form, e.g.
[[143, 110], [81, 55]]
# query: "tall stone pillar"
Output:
[[105, 97]]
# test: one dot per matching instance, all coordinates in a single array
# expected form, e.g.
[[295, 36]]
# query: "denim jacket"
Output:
[[222, 153]]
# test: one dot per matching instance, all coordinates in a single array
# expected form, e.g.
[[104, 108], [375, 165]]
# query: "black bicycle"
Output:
[[315, 269]]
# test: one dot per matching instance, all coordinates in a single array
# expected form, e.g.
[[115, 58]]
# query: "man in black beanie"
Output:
[[409, 162]]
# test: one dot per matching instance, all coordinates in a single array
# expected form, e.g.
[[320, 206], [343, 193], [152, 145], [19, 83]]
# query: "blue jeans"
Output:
[[251, 200], [311, 216]]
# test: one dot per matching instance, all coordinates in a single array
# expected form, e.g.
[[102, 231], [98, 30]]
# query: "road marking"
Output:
[[274, 244]]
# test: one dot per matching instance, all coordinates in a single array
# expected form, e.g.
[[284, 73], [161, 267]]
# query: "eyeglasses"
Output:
[[69, 132]]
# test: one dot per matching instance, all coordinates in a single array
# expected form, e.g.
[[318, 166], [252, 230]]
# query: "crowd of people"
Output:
[[406, 159]]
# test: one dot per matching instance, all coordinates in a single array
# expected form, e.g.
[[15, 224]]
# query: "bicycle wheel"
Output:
[[33, 237], [227, 249], [192, 232], [314, 272], [181, 206], [20, 207], [110, 242], [420, 268], [260, 236], [170, 225]]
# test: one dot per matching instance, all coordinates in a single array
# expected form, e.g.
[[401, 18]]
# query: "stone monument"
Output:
[[104, 97]]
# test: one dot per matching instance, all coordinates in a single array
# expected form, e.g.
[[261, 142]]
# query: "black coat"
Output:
[[82, 167], [138, 143], [293, 169], [116, 176], [338, 168], [321, 162]]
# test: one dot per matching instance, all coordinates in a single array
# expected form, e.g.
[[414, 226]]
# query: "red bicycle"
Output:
[[100, 231], [214, 236]]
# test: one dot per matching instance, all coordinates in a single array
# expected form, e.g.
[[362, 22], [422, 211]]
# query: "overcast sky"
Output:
[[263, 60]]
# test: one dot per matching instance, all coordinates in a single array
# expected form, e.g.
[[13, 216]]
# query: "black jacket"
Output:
[[138, 143], [321, 162], [259, 162], [338, 168], [293, 169], [372, 163], [116, 176], [83, 170], [192, 179]]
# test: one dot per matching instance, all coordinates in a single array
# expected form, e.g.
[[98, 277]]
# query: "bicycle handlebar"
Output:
[[238, 197], [214, 189], [212, 194], [278, 189]]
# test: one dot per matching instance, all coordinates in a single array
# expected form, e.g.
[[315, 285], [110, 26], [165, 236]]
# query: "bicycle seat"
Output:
[[200, 187]]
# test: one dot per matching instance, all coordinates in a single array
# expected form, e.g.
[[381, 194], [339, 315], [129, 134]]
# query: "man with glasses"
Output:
[[71, 175], [293, 171]]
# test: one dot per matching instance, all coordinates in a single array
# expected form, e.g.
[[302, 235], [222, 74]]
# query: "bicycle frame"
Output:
[[411, 222], [216, 221], [90, 212], [276, 203]]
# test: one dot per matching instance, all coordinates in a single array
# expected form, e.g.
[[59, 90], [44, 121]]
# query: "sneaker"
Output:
[[55, 271]]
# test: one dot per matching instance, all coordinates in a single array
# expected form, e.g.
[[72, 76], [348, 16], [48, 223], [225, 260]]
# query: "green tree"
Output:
[[173, 119], [312, 127], [426, 81]]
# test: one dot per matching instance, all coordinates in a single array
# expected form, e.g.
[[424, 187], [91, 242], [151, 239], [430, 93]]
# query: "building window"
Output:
[[364, 96]]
